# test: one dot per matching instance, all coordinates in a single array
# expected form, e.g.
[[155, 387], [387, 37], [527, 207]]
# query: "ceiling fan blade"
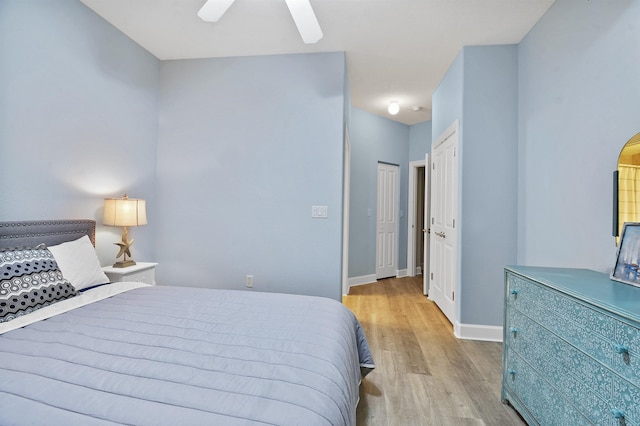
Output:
[[305, 20], [213, 10]]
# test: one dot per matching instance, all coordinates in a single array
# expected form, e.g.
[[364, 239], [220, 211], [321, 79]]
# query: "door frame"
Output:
[[411, 214], [346, 205]]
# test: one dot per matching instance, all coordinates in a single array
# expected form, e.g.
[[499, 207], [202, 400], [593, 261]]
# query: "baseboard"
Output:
[[490, 333], [364, 279], [368, 279]]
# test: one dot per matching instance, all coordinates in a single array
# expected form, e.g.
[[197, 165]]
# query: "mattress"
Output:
[[160, 355]]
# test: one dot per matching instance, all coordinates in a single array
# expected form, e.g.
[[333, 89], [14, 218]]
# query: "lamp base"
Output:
[[124, 263]]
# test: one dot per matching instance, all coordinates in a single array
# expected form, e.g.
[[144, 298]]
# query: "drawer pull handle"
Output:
[[618, 414], [514, 330], [512, 373], [515, 292], [622, 349]]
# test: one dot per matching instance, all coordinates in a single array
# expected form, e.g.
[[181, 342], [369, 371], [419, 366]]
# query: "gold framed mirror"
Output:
[[627, 185]]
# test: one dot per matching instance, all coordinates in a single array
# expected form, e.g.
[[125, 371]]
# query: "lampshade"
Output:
[[124, 211]]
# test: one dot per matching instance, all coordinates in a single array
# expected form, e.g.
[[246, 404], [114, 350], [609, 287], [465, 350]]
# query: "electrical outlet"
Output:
[[249, 280]]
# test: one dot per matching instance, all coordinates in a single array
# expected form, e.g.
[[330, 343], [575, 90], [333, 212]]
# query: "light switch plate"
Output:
[[320, 212]]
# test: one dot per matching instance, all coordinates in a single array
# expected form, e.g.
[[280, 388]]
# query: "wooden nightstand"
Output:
[[142, 272]]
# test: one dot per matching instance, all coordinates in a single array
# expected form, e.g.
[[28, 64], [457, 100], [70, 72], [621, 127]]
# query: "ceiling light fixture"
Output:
[[393, 108], [301, 12]]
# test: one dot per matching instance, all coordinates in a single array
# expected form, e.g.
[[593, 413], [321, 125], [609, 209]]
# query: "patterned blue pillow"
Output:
[[29, 280]]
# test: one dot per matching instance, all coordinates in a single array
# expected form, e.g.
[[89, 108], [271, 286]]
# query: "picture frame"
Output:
[[627, 269]]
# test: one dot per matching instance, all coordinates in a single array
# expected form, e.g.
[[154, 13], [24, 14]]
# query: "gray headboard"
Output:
[[50, 232]]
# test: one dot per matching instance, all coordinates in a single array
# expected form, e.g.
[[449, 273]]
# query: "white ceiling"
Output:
[[396, 50]]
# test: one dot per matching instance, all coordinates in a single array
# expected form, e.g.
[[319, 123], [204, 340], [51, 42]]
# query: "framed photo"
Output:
[[626, 269]]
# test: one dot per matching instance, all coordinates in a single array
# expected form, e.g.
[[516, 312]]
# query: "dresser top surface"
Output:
[[590, 286]]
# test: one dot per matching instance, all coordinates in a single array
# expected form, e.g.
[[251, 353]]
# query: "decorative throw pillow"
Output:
[[79, 263], [29, 280]]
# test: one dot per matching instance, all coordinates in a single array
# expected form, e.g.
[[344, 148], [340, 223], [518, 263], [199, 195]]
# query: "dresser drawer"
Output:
[[573, 374], [604, 337], [626, 358], [526, 295], [540, 398], [626, 399]]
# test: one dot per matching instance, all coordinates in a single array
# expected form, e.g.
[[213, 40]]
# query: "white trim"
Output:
[[364, 279], [345, 210], [401, 273], [411, 216], [453, 128], [489, 333]]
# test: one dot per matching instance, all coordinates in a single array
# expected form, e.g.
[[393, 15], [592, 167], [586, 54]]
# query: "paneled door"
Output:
[[387, 221], [444, 210]]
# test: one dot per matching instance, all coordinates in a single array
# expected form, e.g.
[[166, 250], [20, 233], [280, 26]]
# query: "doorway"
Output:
[[418, 213]]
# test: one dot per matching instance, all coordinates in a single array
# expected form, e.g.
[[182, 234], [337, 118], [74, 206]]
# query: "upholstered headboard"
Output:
[[50, 232]]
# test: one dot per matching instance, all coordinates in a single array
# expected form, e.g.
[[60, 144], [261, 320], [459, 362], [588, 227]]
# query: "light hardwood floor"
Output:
[[423, 375]]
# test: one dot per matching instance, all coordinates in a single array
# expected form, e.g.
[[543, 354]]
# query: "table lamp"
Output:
[[124, 212]]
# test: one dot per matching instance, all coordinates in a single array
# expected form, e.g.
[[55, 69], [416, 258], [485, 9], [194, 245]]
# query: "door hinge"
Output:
[[453, 296], [454, 151], [432, 275], [454, 223], [432, 221], [433, 166]]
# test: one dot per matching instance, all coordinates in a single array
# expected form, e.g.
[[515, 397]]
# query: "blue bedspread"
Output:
[[186, 356]]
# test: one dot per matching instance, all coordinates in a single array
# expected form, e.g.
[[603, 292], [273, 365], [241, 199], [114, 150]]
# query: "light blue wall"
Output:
[[489, 150], [447, 99], [480, 91], [374, 139], [579, 104], [419, 140], [78, 118], [246, 147]]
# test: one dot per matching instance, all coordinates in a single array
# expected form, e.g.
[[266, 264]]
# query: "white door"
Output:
[[444, 210], [427, 226], [387, 221]]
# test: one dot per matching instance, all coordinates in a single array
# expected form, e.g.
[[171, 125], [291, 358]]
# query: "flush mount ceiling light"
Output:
[[301, 12], [393, 108]]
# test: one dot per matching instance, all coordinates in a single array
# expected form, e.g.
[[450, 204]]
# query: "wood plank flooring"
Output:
[[423, 375]]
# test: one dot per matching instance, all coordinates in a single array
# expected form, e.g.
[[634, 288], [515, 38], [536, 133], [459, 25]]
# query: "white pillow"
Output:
[[79, 263]]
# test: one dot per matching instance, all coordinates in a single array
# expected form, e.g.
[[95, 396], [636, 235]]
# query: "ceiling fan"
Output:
[[301, 12]]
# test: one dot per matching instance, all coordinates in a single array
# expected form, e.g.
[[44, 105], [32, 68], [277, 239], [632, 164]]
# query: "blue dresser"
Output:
[[571, 347]]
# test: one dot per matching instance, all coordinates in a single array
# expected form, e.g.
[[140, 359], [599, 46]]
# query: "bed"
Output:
[[131, 353]]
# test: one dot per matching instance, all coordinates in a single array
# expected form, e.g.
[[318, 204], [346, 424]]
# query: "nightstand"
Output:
[[142, 272]]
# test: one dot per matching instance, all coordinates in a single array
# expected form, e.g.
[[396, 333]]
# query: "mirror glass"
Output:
[[629, 183]]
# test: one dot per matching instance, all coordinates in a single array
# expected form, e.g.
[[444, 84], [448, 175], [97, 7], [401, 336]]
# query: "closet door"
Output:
[[387, 221]]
